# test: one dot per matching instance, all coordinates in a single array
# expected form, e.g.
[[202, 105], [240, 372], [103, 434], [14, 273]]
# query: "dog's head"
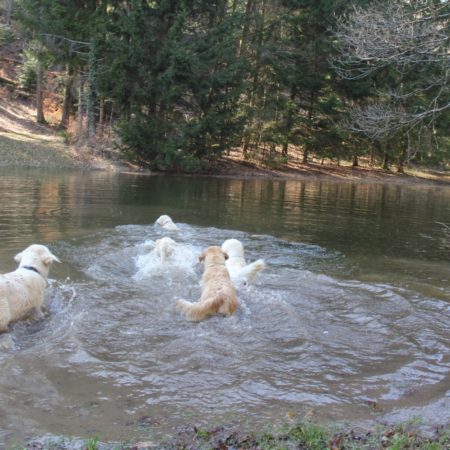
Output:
[[213, 255], [37, 256], [163, 220], [233, 247]]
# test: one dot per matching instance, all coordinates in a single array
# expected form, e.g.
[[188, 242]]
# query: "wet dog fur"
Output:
[[164, 248], [236, 264], [22, 291], [166, 222], [218, 292]]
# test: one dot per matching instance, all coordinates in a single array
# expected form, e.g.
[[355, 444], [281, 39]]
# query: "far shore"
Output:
[[24, 143]]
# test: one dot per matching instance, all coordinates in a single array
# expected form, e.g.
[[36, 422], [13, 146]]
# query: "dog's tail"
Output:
[[250, 271], [199, 310]]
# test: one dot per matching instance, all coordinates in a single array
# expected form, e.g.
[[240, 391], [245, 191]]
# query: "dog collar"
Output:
[[32, 268]]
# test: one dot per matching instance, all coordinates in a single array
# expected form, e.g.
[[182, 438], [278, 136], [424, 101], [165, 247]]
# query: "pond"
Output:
[[349, 321]]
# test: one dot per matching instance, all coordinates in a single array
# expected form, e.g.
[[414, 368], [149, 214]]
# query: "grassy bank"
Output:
[[25, 151], [315, 437], [24, 143], [303, 435]]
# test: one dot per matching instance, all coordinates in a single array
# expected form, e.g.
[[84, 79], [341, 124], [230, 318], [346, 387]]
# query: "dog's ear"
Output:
[[49, 258], [18, 257], [202, 257]]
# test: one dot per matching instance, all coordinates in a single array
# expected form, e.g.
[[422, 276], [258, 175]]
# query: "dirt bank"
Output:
[[25, 143], [234, 165]]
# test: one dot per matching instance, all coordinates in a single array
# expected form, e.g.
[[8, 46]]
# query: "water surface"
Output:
[[349, 321]]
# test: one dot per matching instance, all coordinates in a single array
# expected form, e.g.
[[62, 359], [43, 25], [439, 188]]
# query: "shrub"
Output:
[[6, 34], [28, 73]]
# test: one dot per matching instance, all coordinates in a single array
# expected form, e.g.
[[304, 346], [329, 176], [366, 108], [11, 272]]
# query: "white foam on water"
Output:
[[183, 259]]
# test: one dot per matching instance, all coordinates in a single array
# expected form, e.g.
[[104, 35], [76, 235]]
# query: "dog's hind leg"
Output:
[[5, 315]]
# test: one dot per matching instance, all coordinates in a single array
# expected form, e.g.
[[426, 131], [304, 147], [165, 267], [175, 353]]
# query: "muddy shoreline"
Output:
[[300, 435]]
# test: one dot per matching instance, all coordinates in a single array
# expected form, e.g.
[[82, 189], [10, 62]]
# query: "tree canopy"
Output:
[[184, 81]]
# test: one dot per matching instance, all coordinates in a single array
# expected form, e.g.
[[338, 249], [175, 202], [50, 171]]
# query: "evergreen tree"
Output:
[[173, 70], [186, 80]]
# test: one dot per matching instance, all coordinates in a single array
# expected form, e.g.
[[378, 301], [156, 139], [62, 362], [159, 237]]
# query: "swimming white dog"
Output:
[[165, 247], [166, 222], [236, 265], [218, 292], [22, 291]]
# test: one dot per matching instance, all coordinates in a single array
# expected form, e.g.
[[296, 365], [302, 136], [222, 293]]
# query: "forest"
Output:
[[182, 82]]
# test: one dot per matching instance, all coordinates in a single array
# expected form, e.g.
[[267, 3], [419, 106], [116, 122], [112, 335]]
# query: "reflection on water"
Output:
[[352, 309]]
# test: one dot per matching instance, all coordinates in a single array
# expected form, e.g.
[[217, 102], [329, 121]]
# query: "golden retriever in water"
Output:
[[166, 222], [22, 291], [236, 265], [218, 293]]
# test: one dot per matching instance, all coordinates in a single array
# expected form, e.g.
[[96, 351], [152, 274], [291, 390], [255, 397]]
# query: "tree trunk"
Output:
[[111, 120], [67, 97], [355, 161], [385, 165], [289, 121], [40, 118], [401, 161], [305, 154], [246, 27], [312, 101], [272, 150], [91, 93], [255, 81], [246, 146], [80, 109], [9, 5], [101, 116]]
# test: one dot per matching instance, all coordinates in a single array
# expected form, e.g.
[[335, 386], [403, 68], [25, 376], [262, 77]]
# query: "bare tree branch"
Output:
[[408, 36], [391, 34]]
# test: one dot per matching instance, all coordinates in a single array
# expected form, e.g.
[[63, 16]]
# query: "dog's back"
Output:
[[22, 291], [164, 248], [237, 267], [235, 251], [218, 292]]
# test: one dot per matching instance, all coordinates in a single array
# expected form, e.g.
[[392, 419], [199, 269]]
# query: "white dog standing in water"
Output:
[[166, 222], [22, 291], [164, 248], [167, 257], [236, 264]]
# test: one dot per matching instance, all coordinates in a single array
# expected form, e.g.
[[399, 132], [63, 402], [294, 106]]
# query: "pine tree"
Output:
[[177, 85]]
